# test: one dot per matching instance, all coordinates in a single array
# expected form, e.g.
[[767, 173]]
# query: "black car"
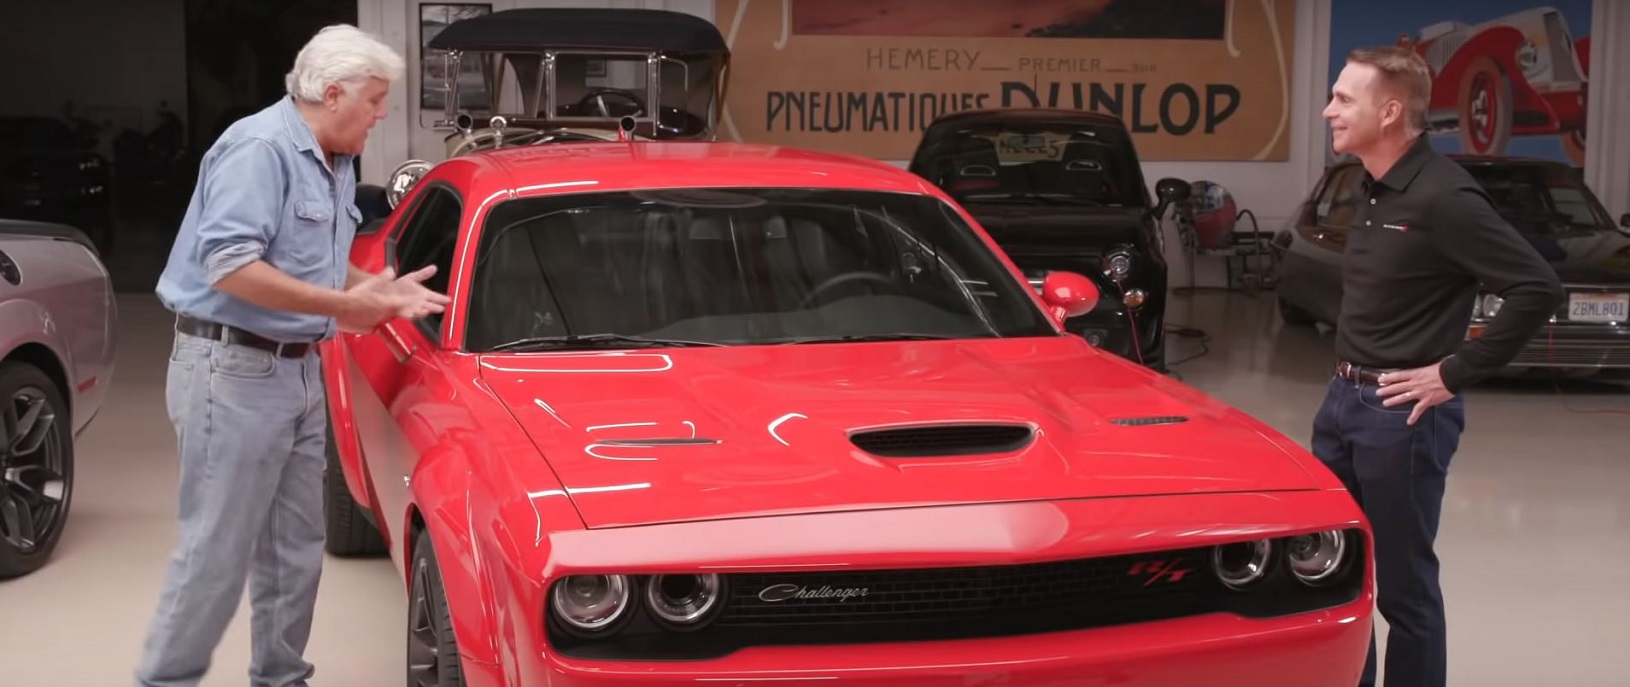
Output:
[[49, 172], [1546, 201], [1064, 190]]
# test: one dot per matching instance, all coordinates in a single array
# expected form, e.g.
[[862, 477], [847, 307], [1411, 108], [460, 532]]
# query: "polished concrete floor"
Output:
[[1535, 540]]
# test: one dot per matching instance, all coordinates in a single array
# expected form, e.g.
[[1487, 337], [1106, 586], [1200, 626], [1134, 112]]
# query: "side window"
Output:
[[430, 237], [1339, 201]]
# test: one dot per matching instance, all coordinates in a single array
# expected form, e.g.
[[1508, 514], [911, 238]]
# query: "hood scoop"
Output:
[[932, 441], [1148, 421]]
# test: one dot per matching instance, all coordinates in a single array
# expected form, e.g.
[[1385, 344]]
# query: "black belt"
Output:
[[234, 335], [1358, 373]]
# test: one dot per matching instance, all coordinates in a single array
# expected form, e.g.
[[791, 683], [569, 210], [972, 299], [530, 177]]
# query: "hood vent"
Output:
[[1147, 421], [943, 440]]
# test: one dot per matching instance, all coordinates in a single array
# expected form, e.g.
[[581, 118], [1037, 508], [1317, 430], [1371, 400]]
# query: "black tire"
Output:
[[349, 533], [36, 468], [432, 650]]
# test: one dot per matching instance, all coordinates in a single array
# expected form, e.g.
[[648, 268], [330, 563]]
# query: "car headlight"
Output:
[[402, 180], [1242, 564], [683, 601], [591, 604], [1316, 558], [1487, 306], [1118, 264]]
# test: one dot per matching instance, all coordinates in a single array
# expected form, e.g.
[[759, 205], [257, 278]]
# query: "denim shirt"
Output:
[[264, 193]]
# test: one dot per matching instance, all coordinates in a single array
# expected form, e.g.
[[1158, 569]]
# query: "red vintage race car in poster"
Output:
[[1522, 74]]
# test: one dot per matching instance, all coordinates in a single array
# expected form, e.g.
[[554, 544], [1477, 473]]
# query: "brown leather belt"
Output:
[[1358, 373], [233, 335]]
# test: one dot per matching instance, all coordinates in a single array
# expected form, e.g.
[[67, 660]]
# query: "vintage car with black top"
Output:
[[1064, 190], [1545, 201]]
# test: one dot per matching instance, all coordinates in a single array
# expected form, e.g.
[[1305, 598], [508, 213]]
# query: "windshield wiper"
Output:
[[853, 338], [542, 343]]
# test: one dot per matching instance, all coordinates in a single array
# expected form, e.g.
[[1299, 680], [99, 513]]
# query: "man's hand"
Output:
[[1423, 385], [384, 295], [422, 302]]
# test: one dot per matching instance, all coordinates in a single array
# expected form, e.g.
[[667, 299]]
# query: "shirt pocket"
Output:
[[308, 240]]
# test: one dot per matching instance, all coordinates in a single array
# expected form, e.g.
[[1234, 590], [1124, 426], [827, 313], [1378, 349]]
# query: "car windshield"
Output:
[[738, 266], [1035, 163], [1544, 199]]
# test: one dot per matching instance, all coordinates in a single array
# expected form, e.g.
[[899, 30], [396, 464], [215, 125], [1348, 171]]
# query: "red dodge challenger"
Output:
[[708, 413]]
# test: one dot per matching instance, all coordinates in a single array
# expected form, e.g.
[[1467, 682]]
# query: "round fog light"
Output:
[[1240, 565], [1317, 557], [591, 603], [683, 600]]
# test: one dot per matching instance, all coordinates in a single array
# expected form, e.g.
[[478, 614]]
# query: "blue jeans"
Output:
[[251, 428], [1396, 473]]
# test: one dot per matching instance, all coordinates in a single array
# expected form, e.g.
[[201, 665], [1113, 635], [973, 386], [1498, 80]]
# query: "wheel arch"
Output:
[[41, 356]]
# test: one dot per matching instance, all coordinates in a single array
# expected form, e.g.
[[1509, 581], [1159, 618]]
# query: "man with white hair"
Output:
[[257, 276]]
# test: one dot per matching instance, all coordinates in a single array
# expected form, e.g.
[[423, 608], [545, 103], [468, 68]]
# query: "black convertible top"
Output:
[[533, 29]]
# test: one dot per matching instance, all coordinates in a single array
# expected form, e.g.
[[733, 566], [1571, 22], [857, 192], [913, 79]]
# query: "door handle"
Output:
[[393, 341]]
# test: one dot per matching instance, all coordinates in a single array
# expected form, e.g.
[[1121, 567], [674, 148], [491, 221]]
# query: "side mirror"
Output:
[[1068, 295], [1168, 191], [373, 202]]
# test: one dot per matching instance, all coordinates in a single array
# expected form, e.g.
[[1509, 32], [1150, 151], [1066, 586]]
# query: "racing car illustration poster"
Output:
[[1508, 76]]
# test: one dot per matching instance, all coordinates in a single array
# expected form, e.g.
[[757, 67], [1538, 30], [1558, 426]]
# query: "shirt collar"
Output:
[[299, 131], [1407, 167]]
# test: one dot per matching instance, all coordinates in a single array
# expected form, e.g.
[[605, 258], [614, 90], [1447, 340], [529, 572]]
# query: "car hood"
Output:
[[641, 437], [1042, 227], [1581, 256]]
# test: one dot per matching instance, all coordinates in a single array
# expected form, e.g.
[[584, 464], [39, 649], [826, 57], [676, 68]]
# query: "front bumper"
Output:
[[1580, 347], [1322, 649], [1322, 646]]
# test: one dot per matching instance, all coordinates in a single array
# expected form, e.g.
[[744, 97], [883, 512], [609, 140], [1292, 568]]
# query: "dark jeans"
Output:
[[1396, 473]]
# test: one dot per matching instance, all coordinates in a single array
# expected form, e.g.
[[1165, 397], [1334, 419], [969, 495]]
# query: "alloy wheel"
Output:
[[33, 485]]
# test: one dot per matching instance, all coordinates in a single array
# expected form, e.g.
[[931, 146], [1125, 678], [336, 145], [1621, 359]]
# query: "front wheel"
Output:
[[432, 651], [36, 468]]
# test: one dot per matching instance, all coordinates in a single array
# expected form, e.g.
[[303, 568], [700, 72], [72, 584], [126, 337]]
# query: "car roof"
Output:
[[613, 165], [535, 28], [1028, 114]]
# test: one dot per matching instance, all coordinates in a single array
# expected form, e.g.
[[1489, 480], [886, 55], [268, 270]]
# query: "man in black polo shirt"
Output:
[[1424, 243]]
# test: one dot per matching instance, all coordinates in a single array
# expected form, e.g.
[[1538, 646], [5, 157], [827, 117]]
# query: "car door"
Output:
[[1321, 240], [399, 384]]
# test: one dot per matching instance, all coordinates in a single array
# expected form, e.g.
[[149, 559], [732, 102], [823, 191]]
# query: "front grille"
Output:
[[943, 440], [1099, 588], [836, 607]]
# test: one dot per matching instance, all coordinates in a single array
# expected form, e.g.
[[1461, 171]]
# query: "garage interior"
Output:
[[1534, 522]]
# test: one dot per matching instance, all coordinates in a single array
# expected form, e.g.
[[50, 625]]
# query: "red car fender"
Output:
[[336, 359], [441, 507]]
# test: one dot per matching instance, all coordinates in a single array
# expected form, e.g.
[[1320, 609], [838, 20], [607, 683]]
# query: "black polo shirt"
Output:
[[1425, 243]]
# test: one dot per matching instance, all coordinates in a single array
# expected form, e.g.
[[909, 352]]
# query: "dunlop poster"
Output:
[[1192, 79]]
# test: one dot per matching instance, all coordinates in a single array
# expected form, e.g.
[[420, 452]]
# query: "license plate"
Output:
[[1599, 307]]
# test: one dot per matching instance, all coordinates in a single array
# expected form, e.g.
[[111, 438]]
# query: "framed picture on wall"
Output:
[[433, 64]]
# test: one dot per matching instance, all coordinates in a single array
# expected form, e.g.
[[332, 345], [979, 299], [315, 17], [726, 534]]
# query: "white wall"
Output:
[[1607, 156], [115, 60]]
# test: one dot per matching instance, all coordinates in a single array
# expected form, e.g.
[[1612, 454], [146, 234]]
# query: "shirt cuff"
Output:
[[231, 258], [1456, 375]]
